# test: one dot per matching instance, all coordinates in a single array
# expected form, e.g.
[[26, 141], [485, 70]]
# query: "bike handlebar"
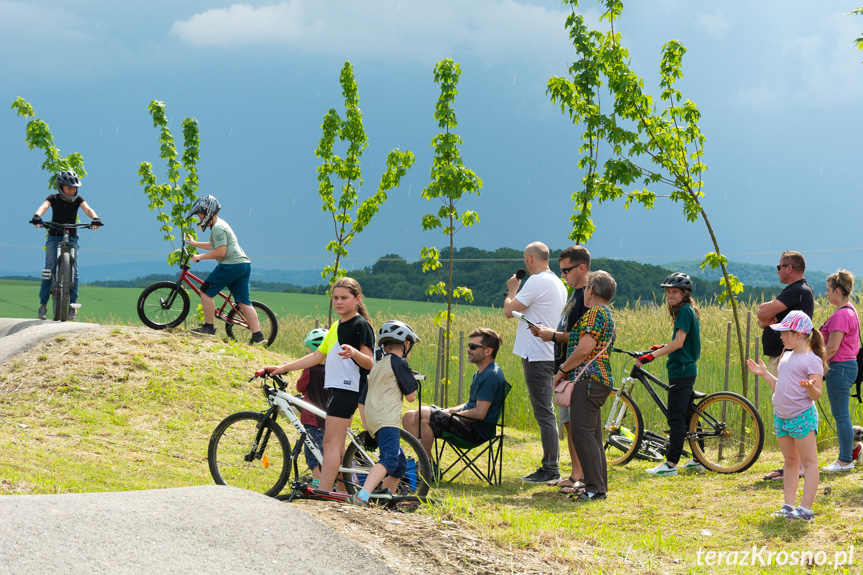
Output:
[[67, 226], [633, 354]]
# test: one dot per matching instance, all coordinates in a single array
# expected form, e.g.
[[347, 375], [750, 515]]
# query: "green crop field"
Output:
[[637, 329]]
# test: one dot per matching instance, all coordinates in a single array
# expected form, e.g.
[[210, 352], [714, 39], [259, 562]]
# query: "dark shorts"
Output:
[[317, 435], [392, 456], [343, 403], [235, 277], [441, 421]]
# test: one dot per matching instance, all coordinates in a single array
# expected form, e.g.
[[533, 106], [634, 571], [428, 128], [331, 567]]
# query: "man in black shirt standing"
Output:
[[575, 270], [64, 210]]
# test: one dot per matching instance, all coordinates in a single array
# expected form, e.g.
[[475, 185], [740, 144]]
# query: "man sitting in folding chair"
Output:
[[473, 423]]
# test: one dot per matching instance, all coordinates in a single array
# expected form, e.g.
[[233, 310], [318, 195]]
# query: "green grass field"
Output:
[[637, 329]]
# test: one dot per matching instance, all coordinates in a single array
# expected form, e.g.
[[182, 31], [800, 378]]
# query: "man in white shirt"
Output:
[[541, 300]]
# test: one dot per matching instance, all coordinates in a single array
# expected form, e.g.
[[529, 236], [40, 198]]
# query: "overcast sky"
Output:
[[779, 84]]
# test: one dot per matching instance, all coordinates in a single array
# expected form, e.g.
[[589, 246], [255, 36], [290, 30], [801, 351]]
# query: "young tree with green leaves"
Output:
[[629, 141], [859, 39], [346, 223], [179, 197], [39, 136], [450, 180]]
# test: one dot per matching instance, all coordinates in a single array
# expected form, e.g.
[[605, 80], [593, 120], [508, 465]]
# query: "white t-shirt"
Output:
[[543, 296]]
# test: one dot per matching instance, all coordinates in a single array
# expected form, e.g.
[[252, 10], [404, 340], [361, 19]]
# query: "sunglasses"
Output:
[[780, 266], [475, 346], [564, 271]]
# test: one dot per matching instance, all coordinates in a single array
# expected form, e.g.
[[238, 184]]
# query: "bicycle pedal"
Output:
[[46, 274], [75, 305]]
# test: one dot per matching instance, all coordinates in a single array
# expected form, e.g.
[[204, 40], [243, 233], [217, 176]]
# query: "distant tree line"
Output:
[[486, 272]]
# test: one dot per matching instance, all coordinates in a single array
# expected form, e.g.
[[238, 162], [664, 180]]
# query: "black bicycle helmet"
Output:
[[677, 280], [68, 178], [207, 205], [395, 330]]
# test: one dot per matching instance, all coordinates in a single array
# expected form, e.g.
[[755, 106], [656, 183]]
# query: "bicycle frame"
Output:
[[283, 403], [193, 281]]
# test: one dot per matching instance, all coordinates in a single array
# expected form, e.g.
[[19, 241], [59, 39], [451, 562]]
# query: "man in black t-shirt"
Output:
[[575, 270], [64, 210], [797, 295]]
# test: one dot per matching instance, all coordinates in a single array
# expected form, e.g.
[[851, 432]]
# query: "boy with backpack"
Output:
[[390, 380]]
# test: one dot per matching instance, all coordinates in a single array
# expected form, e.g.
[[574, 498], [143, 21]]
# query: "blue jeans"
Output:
[[839, 379], [50, 260]]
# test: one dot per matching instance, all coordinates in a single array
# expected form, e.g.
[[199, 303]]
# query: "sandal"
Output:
[[777, 474], [572, 489], [563, 482]]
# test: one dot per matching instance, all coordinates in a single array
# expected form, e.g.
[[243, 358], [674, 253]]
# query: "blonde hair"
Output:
[[353, 286], [816, 346], [842, 279]]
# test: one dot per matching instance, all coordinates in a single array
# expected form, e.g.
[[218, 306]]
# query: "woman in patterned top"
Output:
[[590, 344]]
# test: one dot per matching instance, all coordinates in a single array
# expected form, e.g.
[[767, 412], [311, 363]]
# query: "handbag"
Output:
[[563, 389]]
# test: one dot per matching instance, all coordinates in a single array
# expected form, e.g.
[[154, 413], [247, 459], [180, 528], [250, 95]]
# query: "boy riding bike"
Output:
[[64, 210]]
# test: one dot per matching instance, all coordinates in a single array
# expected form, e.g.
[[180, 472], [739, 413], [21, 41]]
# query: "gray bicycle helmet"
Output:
[[677, 280], [68, 178], [207, 205], [315, 338], [395, 330]]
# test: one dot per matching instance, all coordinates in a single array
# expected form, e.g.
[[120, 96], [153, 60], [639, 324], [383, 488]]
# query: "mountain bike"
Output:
[[166, 304], [723, 429], [251, 450], [63, 275]]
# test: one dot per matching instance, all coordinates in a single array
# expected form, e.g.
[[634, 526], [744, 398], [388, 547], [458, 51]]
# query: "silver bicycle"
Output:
[[252, 451]]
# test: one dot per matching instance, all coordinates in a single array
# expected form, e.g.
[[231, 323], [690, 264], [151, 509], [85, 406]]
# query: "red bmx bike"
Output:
[[166, 304]]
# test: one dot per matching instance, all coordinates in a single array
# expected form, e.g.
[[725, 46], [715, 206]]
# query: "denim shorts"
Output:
[[235, 277], [798, 426], [316, 434], [392, 456]]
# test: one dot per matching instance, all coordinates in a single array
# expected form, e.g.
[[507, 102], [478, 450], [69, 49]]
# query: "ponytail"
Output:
[[816, 346]]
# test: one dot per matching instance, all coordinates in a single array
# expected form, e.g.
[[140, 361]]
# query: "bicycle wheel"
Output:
[[61, 287], [237, 329], [653, 447], [623, 432], [241, 455], [725, 433], [415, 482], [163, 305]]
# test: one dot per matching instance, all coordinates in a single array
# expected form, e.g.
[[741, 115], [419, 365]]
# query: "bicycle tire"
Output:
[[725, 432], [230, 449], [622, 440], [413, 449], [151, 305], [241, 332], [62, 285]]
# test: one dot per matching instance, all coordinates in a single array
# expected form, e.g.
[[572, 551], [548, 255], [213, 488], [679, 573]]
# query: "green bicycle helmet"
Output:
[[315, 338]]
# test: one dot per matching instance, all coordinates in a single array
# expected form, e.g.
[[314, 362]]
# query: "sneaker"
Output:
[[71, 314], [355, 500], [836, 466], [693, 465], [43, 312], [663, 469], [204, 330], [541, 476], [257, 337], [803, 514], [381, 495], [785, 511], [585, 496]]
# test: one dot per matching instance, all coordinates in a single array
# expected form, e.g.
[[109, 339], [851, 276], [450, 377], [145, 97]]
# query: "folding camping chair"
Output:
[[468, 455]]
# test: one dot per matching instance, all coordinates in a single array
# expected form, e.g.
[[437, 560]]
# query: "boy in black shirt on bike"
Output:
[[64, 210]]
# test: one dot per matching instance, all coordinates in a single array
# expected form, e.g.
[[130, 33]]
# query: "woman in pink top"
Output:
[[842, 336]]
